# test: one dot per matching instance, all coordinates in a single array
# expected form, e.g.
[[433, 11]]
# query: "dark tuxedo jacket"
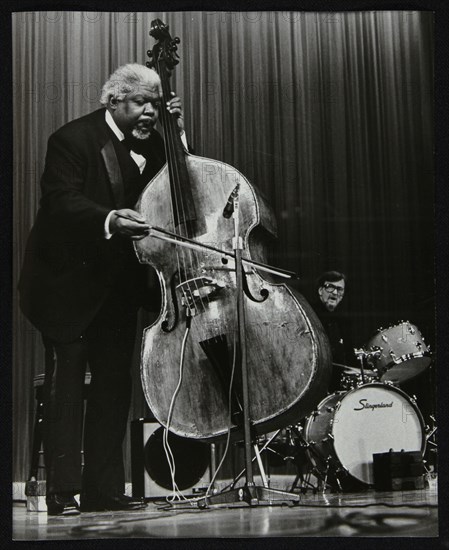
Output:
[[69, 268]]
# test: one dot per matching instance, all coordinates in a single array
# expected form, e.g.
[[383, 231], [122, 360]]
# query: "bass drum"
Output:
[[348, 428]]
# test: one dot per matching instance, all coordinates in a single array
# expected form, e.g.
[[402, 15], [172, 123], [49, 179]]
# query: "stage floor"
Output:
[[366, 514]]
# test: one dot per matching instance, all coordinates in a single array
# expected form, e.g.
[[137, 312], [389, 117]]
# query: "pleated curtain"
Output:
[[328, 114]]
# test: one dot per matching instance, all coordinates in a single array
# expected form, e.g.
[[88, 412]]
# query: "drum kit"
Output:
[[370, 414]]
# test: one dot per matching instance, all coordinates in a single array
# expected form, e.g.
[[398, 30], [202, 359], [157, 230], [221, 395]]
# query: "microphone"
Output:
[[228, 210]]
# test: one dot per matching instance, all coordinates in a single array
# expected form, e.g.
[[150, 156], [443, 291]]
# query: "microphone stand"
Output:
[[250, 493]]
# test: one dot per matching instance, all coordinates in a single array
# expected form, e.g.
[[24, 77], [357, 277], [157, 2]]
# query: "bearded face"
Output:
[[138, 112]]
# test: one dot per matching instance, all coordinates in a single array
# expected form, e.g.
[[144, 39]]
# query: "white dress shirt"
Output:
[[140, 160]]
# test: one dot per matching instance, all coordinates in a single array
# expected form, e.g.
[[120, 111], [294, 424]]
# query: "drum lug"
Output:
[[394, 357]]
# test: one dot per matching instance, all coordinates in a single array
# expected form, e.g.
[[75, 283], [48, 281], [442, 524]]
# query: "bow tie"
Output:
[[139, 146]]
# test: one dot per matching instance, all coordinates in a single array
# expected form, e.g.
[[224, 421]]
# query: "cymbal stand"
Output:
[[300, 476], [361, 354], [310, 447], [257, 453], [304, 480], [431, 445]]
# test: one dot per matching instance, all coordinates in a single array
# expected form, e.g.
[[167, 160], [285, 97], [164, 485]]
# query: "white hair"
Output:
[[128, 78]]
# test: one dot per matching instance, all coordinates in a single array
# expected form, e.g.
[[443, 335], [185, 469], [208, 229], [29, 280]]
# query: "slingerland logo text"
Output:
[[365, 405]]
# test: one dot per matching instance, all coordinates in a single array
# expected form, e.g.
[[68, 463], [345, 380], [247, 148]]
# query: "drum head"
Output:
[[406, 369], [403, 353], [374, 419]]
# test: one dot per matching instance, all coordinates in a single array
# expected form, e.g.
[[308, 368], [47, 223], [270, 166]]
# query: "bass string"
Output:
[[188, 260], [174, 174], [186, 264], [184, 257], [163, 116]]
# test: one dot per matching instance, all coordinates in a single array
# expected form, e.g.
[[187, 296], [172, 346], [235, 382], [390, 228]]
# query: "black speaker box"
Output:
[[150, 473], [394, 471]]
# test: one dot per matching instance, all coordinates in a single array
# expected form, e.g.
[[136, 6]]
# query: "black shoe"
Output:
[[107, 503], [62, 505]]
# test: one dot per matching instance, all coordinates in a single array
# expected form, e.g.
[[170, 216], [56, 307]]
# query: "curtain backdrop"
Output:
[[330, 115]]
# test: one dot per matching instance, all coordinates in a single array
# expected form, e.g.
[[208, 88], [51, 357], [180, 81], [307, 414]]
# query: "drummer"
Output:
[[330, 291]]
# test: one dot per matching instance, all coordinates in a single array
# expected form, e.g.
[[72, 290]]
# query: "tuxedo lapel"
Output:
[[124, 177], [114, 172], [106, 138]]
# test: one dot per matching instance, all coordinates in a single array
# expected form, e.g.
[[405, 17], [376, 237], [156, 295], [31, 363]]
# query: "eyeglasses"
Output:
[[333, 288]]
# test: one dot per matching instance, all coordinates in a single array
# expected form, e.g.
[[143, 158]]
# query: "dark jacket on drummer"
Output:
[[81, 284], [330, 290]]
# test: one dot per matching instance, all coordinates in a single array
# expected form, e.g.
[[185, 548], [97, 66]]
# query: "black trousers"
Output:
[[107, 347]]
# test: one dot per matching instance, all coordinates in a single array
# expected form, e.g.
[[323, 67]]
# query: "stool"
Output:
[[39, 417]]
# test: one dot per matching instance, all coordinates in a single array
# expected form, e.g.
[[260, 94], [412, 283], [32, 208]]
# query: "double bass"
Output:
[[188, 355]]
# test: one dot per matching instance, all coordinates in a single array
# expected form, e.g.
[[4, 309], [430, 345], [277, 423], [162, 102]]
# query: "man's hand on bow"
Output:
[[129, 223]]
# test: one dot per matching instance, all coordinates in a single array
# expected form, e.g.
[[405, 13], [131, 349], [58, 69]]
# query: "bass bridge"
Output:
[[198, 291]]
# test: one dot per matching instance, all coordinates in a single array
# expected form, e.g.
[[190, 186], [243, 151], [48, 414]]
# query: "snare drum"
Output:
[[403, 352], [348, 428], [351, 380]]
